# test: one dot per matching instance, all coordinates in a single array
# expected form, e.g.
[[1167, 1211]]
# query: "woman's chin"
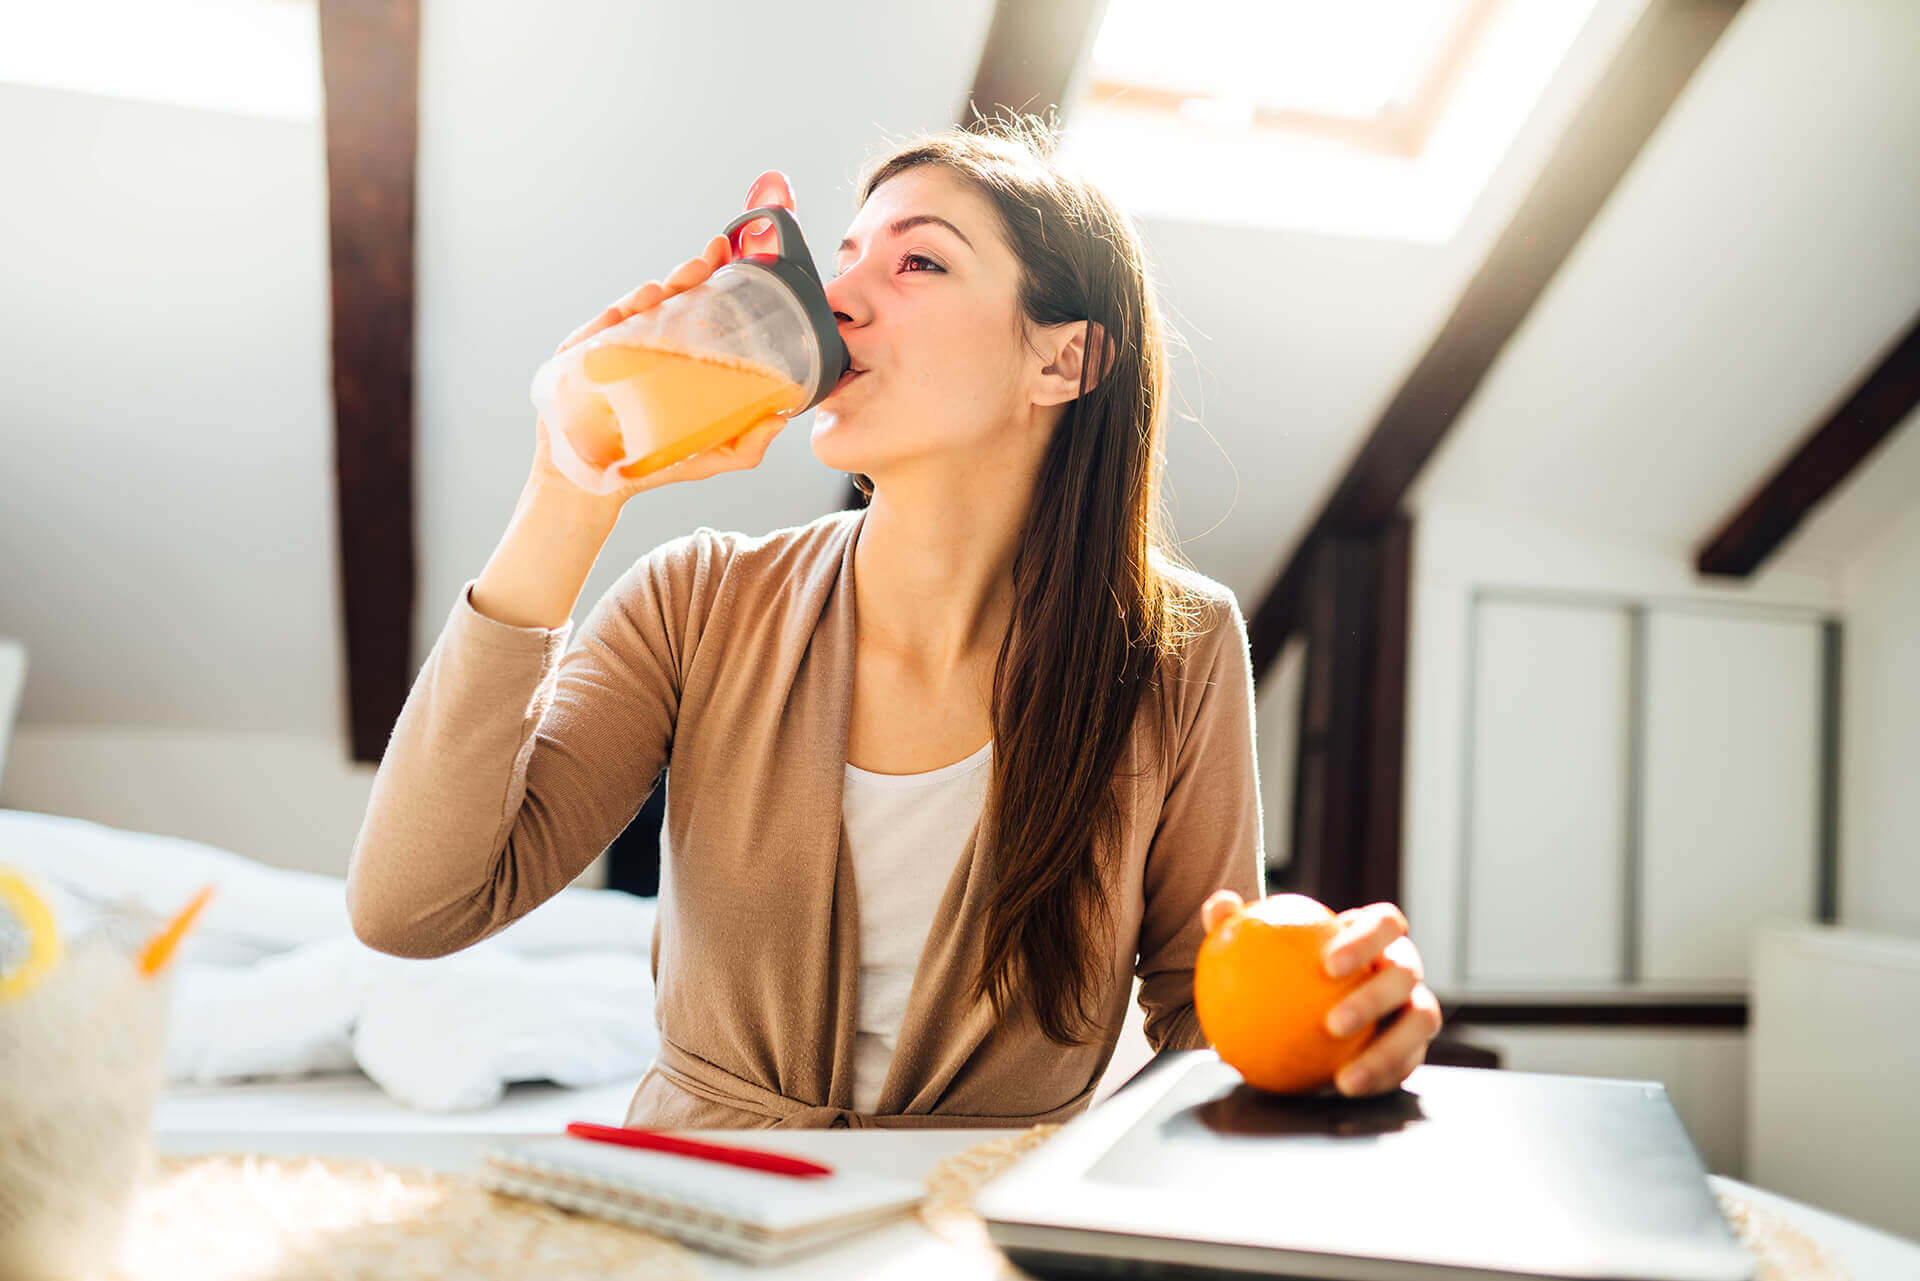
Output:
[[835, 442]]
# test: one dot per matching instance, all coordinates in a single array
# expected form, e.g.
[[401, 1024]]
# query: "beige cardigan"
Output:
[[729, 659]]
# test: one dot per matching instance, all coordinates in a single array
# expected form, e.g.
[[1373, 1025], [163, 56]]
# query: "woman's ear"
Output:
[[1069, 345]]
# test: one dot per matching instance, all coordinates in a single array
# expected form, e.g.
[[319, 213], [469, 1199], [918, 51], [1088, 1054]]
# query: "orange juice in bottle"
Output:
[[664, 406], [756, 339]]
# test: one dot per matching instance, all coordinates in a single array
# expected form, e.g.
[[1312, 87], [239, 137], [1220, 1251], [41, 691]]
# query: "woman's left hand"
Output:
[[1396, 996]]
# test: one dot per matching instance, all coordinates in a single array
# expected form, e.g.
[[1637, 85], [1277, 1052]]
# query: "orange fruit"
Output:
[[1261, 991]]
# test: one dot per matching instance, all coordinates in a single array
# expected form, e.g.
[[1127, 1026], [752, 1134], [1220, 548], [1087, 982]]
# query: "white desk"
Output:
[[902, 1248], [906, 1248]]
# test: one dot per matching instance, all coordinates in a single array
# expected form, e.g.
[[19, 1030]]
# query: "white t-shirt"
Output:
[[905, 833]]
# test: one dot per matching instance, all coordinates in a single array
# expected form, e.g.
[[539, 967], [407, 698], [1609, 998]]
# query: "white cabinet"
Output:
[[1547, 804], [1730, 827], [1835, 1058], [1643, 786]]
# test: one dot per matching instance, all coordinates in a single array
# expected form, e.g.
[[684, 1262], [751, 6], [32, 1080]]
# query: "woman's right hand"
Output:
[[743, 451]]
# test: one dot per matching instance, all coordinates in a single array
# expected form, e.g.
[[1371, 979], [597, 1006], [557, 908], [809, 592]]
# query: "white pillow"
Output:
[[13, 683]]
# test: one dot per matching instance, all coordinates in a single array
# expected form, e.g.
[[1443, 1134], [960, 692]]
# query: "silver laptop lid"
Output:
[[1460, 1173]]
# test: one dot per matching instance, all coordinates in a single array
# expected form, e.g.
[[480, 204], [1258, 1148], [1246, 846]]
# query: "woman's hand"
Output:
[[1370, 938], [743, 451]]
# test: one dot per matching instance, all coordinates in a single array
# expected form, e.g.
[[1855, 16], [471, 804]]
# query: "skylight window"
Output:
[[1379, 118], [249, 57], [1373, 72]]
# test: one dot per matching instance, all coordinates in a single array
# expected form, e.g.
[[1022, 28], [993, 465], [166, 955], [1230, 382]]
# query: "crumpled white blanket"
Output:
[[271, 981], [440, 1035]]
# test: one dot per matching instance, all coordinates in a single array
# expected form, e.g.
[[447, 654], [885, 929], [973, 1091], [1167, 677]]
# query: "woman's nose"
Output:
[[844, 299]]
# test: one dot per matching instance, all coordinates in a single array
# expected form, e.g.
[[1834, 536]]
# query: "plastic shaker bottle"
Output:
[[755, 338]]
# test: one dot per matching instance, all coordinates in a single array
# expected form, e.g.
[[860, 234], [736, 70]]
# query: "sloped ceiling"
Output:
[[1746, 271], [1298, 341], [1745, 275]]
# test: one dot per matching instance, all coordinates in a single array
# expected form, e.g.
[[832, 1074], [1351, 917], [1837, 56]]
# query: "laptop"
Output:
[[1186, 1172]]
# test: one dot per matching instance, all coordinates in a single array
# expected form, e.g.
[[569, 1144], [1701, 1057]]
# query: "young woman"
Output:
[[944, 774]]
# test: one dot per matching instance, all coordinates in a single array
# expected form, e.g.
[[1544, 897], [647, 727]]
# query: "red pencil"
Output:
[[771, 1162]]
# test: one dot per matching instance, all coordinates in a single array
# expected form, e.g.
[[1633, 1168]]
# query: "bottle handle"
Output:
[[793, 247], [793, 266]]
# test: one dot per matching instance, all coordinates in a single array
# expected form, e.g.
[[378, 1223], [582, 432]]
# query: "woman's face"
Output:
[[927, 299]]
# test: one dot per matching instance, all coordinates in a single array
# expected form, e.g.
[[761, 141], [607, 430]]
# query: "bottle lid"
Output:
[[792, 265]]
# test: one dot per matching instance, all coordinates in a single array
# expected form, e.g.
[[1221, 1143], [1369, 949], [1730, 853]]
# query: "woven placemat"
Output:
[[1781, 1251], [948, 1209], [233, 1215]]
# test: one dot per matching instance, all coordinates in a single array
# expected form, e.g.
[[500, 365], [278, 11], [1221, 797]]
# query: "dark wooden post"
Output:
[[1352, 732], [370, 57]]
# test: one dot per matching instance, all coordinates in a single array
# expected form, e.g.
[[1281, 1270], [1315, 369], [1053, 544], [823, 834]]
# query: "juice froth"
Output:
[[653, 407]]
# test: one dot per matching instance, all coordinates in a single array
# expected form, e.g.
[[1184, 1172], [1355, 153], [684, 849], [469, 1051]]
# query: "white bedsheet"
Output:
[[351, 1103], [272, 983]]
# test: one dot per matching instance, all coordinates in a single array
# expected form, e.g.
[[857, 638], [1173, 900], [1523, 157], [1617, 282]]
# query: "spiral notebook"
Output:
[[748, 1214]]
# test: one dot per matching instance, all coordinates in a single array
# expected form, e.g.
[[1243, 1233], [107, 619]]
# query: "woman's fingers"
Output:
[[1372, 1001], [687, 275], [763, 434], [1391, 1057], [647, 295], [743, 452], [1364, 934], [609, 316], [640, 299], [717, 254]]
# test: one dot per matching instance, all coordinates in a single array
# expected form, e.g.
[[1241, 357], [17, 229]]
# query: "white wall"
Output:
[[167, 449], [166, 418], [1880, 731]]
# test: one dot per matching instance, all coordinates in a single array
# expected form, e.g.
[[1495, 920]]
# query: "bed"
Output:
[[280, 1017]]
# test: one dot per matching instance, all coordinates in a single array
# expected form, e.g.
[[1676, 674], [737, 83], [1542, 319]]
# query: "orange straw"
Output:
[[160, 947]]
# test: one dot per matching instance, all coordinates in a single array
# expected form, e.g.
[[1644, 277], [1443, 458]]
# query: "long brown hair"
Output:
[[1093, 613]]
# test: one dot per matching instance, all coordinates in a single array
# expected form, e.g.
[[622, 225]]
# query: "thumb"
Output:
[[1219, 906], [770, 188]]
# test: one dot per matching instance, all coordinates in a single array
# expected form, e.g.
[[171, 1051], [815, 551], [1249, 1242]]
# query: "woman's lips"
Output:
[[846, 378]]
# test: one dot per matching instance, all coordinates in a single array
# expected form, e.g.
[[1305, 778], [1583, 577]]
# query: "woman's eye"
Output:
[[926, 264]]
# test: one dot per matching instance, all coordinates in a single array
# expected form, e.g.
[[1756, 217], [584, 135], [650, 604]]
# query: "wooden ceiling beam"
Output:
[[1654, 64], [1883, 400], [1033, 50], [370, 60]]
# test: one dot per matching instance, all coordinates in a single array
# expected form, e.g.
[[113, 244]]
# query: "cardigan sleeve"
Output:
[[1209, 834], [515, 761]]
